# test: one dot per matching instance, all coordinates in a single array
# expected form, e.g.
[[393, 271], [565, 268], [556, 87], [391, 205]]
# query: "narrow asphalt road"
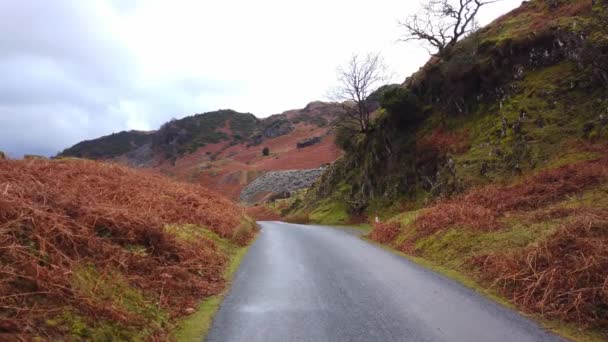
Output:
[[311, 283]]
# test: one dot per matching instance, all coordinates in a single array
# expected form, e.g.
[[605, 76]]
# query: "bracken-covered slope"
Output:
[[491, 162], [95, 251]]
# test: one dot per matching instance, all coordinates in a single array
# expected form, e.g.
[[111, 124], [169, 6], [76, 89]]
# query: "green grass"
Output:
[[196, 326], [94, 285], [364, 228], [453, 247], [77, 326], [329, 212]]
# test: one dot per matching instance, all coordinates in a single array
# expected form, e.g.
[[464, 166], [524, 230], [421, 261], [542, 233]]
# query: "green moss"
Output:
[[455, 246], [197, 325], [330, 212], [76, 326], [407, 217], [192, 232], [119, 292], [536, 16], [555, 113], [569, 156], [595, 198], [110, 288]]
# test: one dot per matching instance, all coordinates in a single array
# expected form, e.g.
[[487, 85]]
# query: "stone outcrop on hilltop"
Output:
[[279, 183]]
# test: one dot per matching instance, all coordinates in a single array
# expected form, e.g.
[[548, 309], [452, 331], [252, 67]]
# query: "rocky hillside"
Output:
[[109, 146], [224, 150], [511, 99], [278, 184], [490, 164]]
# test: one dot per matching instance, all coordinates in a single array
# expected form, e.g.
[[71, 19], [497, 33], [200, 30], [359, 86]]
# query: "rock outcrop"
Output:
[[275, 129], [279, 184], [308, 142], [143, 156]]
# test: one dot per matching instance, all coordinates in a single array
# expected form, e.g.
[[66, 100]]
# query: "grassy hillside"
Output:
[[109, 146], [491, 162], [93, 251]]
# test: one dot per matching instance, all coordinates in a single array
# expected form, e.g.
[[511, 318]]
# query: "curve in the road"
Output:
[[311, 283]]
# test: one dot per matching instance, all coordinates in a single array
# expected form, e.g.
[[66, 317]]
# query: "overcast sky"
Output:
[[78, 69]]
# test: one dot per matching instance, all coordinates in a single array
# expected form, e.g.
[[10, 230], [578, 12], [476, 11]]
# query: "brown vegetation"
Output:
[[566, 276], [385, 232], [541, 16], [297, 218], [481, 208], [441, 142], [262, 213], [60, 217]]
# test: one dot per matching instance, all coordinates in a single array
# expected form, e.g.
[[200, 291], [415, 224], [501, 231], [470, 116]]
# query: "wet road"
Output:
[[311, 283]]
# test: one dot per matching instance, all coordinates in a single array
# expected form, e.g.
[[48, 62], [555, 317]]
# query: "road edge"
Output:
[[198, 325], [564, 330]]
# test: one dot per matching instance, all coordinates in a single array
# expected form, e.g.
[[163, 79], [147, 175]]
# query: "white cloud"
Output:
[[76, 70]]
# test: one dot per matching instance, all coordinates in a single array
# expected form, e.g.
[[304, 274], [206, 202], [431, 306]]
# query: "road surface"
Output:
[[312, 283]]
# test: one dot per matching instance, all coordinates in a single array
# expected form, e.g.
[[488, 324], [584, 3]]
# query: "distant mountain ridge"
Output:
[[109, 146]]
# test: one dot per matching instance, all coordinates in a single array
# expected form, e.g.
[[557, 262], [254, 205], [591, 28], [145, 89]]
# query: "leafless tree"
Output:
[[443, 22], [357, 80]]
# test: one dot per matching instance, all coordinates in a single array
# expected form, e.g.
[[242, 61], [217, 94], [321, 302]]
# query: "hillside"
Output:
[[94, 251], [222, 150], [109, 146], [491, 162]]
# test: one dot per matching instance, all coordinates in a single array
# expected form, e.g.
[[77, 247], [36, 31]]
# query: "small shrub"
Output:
[[402, 106], [266, 151]]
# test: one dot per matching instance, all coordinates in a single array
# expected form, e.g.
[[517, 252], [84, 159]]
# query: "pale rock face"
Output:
[[280, 182]]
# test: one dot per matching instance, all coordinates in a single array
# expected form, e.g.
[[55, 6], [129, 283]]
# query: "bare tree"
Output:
[[443, 22], [357, 80]]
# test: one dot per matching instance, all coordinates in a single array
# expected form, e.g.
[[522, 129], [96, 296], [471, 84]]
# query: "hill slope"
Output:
[[94, 251], [491, 162], [222, 150]]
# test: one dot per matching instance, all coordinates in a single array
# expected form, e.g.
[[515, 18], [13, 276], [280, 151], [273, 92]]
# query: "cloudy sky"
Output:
[[73, 69]]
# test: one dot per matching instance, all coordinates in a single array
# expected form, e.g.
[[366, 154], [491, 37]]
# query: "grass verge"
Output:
[[196, 326], [568, 331]]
